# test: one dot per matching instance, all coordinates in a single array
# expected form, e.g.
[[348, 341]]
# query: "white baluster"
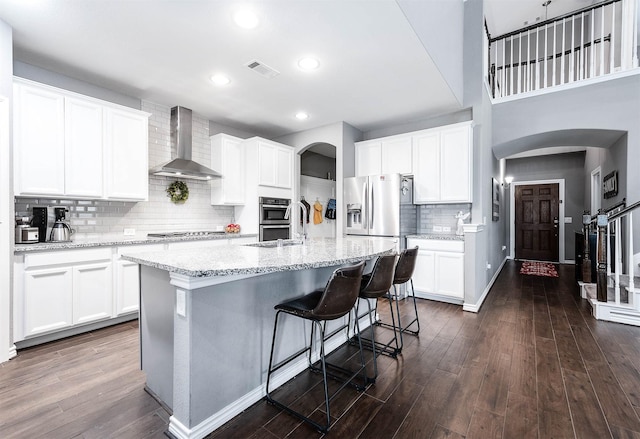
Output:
[[519, 88], [601, 41], [572, 60], [592, 52], [582, 49], [564, 30], [612, 45], [553, 56], [546, 46], [630, 267]]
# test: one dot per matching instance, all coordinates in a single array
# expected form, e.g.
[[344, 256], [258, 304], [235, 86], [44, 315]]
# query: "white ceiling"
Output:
[[374, 71]]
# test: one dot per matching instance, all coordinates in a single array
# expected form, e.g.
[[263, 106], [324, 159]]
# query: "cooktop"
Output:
[[183, 234]]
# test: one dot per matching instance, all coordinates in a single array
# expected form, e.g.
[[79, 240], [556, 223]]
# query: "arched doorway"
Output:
[[318, 187]]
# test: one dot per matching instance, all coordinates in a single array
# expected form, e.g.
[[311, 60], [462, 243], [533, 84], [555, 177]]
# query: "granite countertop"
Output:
[[118, 240], [251, 259], [440, 236]]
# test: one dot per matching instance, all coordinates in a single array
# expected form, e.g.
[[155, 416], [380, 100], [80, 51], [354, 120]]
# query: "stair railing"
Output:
[[619, 224], [595, 41]]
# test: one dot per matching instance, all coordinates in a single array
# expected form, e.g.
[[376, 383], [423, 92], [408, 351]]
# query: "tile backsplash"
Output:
[[440, 215], [158, 213]]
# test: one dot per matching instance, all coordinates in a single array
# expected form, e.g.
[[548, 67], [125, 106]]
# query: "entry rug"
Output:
[[538, 269]]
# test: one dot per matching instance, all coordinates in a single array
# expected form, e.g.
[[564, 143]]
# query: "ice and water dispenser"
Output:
[[354, 215]]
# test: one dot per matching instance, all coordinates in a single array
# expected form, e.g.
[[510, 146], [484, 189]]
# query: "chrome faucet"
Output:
[[305, 215]]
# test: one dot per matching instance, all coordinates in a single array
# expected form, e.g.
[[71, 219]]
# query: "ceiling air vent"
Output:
[[263, 69]]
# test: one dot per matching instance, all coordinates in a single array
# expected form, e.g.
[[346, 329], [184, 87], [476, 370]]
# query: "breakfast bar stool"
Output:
[[334, 301], [374, 286], [404, 273]]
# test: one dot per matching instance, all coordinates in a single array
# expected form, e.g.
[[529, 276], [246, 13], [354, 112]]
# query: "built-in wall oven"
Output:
[[273, 224]]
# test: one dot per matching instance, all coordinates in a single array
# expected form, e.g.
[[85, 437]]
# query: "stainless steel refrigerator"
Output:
[[380, 205]]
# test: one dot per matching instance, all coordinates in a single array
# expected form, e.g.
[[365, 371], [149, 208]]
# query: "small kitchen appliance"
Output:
[[40, 220], [60, 232], [25, 234]]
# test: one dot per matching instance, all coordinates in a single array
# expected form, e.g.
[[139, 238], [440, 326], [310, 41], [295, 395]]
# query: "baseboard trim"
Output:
[[475, 307]]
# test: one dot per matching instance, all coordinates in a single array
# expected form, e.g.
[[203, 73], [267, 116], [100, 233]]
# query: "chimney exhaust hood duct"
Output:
[[181, 144]]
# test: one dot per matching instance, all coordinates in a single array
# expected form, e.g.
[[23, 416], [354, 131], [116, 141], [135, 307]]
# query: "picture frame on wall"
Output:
[[495, 199]]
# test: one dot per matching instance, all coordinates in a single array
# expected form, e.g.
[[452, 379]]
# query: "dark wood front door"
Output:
[[537, 222]]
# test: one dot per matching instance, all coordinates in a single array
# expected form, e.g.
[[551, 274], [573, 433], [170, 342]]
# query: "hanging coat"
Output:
[[317, 212], [331, 209], [308, 206]]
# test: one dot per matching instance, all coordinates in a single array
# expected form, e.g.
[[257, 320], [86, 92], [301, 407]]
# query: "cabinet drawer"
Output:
[[67, 257], [437, 244]]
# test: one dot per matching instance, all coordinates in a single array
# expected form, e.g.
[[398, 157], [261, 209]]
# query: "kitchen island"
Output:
[[206, 321]]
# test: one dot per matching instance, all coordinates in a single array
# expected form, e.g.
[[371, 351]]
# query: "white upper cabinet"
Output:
[[75, 146], [38, 137], [442, 164], [389, 155], [368, 158], [127, 168], [275, 164], [227, 158], [83, 153], [397, 156]]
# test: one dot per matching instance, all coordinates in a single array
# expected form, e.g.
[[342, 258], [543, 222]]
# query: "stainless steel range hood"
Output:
[[181, 144]]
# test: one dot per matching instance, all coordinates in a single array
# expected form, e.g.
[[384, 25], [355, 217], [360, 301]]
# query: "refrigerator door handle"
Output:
[[372, 206], [365, 204]]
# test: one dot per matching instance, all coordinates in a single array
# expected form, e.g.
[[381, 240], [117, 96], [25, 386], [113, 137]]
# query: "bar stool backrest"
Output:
[[380, 279], [406, 265], [340, 293]]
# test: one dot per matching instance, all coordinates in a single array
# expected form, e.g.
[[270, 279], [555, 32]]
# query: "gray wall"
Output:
[[464, 115], [609, 159], [54, 79], [569, 167], [488, 243], [607, 105]]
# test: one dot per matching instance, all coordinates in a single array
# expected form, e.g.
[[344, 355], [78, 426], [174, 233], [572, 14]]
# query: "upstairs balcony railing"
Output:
[[592, 42]]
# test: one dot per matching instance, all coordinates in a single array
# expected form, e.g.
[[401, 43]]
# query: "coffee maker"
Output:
[[60, 232], [40, 220]]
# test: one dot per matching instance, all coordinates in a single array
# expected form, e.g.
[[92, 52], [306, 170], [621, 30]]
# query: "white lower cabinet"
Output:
[[47, 302], [58, 290], [127, 287], [92, 292], [67, 289], [439, 272]]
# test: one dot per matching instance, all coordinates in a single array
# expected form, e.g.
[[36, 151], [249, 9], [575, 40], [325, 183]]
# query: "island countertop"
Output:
[[255, 259]]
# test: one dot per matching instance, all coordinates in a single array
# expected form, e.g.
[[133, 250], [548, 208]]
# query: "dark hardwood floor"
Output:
[[531, 364]]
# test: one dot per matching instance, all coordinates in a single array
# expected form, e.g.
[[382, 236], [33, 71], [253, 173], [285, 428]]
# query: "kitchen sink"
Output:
[[273, 244]]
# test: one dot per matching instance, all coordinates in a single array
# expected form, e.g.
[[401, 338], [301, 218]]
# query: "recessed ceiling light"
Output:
[[246, 19], [220, 79], [301, 115], [308, 63]]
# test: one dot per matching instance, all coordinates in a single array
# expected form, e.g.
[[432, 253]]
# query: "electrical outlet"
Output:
[[446, 229], [488, 266], [181, 303], [504, 247], [129, 232], [437, 228]]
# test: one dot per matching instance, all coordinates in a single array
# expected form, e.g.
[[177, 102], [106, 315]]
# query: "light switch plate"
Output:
[[568, 220], [437, 228]]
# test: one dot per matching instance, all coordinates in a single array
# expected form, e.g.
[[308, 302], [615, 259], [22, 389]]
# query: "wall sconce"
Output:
[[507, 181]]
